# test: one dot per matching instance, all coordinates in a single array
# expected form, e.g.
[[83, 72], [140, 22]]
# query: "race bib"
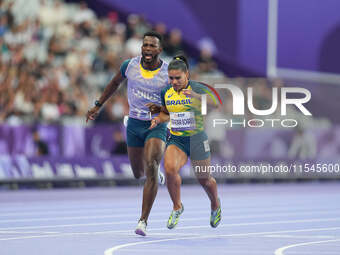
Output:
[[182, 121]]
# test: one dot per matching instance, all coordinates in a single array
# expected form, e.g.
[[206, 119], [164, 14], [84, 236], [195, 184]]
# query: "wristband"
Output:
[[98, 104]]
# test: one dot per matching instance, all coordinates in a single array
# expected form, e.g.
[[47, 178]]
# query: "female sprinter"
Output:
[[181, 104]]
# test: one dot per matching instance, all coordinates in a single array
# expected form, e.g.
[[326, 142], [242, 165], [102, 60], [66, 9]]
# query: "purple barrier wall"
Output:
[[22, 167], [118, 167], [65, 141], [85, 152], [98, 141]]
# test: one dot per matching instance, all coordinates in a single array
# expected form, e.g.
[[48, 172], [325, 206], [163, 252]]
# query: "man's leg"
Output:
[[135, 146], [153, 152], [136, 157]]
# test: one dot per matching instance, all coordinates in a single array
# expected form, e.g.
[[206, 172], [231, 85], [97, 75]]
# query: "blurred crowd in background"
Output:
[[57, 57]]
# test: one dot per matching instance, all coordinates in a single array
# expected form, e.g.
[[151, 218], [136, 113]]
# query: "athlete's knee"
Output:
[[170, 168], [152, 164], [152, 176], [152, 168], [153, 157]]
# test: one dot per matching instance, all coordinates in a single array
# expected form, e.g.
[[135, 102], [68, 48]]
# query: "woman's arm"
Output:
[[193, 94]]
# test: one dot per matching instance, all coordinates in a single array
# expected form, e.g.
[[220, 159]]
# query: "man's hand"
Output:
[[154, 122], [153, 108], [92, 113]]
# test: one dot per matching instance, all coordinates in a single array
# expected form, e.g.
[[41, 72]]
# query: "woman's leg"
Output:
[[201, 169], [174, 160]]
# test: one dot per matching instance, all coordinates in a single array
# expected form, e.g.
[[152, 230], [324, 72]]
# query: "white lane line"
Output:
[[60, 209], [264, 223], [118, 247], [302, 236], [233, 252], [164, 213], [282, 249], [172, 234], [115, 248], [28, 232], [112, 215], [62, 218], [156, 251], [111, 210], [239, 209], [54, 212], [161, 220], [114, 211], [178, 228], [127, 206]]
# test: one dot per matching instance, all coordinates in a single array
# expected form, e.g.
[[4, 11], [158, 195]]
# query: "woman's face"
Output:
[[178, 79]]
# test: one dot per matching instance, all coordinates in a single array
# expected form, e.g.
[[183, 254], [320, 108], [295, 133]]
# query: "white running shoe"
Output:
[[161, 177], [141, 228]]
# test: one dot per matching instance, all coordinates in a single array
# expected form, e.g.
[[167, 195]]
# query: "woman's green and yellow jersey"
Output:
[[185, 112]]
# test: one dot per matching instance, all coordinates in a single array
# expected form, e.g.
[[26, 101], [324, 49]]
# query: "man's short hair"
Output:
[[154, 34]]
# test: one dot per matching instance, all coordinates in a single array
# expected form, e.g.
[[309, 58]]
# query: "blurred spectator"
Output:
[[133, 45], [119, 143], [206, 62], [330, 146], [174, 44], [136, 25], [6, 9], [84, 14], [219, 144], [161, 29], [3, 24], [303, 145], [105, 115], [41, 146], [131, 26], [113, 111]]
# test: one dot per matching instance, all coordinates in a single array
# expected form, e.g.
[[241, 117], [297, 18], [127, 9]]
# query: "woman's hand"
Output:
[[191, 93], [154, 122]]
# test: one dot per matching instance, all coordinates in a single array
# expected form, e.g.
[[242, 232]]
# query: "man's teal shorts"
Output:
[[137, 132]]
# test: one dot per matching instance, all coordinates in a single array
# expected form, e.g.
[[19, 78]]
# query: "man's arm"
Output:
[[110, 88]]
